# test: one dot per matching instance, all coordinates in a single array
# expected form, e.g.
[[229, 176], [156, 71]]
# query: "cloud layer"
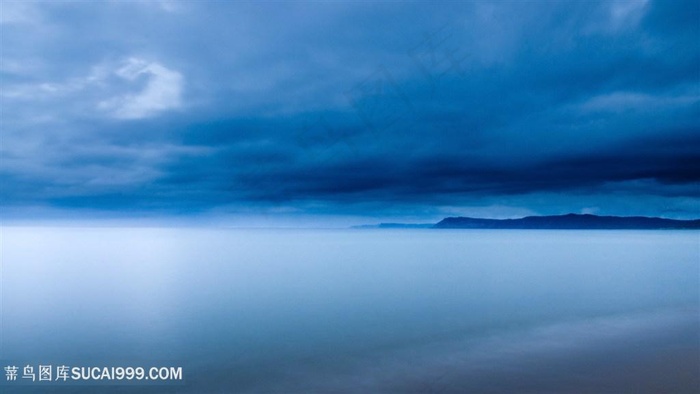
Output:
[[382, 110]]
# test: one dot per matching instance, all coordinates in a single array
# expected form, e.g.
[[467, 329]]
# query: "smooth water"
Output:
[[297, 311]]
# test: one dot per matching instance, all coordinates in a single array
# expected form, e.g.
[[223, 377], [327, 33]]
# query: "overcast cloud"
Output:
[[387, 111]]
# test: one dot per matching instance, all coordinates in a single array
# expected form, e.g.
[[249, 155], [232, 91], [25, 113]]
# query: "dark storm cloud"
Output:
[[362, 105]]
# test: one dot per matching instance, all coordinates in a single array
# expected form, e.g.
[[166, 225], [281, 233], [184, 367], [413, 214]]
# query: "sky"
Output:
[[277, 113]]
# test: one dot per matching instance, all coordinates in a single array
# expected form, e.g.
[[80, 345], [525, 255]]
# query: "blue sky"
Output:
[[349, 112]]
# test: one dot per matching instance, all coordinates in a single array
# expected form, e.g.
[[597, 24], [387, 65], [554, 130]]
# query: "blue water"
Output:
[[296, 311]]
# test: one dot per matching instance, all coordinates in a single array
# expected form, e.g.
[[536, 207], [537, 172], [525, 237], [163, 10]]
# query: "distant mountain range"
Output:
[[559, 222]]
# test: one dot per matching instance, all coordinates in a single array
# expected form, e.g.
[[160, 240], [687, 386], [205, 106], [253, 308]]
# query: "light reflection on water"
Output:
[[359, 310]]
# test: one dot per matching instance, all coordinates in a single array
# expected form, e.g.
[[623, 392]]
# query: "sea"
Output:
[[348, 310]]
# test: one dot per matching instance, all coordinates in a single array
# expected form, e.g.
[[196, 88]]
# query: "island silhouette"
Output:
[[570, 221]]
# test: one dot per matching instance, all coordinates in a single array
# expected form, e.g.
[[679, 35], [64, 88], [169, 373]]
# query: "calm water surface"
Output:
[[296, 311]]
